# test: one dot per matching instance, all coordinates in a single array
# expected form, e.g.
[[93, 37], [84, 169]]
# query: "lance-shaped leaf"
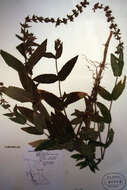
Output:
[[118, 89], [18, 116], [73, 97], [46, 78], [101, 126], [77, 157], [49, 55], [51, 99], [12, 61], [105, 112], [39, 121], [117, 63], [19, 37], [97, 118], [17, 120], [78, 113], [37, 55], [21, 49], [61, 127], [89, 134], [36, 143], [18, 94], [28, 113], [92, 165], [32, 130], [76, 120], [97, 143], [43, 111], [109, 138], [104, 93], [26, 81], [121, 61], [83, 164], [47, 145], [9, 114], [67, 68]]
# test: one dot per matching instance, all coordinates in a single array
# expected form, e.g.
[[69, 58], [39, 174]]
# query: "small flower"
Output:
[[64, 20], [70, 17], [27, 19], [47, 20], [52, 20], [40, 19], [106, 8], [79, 8], [58, 21], [34, 18]]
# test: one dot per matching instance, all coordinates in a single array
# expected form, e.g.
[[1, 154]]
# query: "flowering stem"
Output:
[[102, 66]]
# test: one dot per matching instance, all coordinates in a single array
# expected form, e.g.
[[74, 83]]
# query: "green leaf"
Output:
[[32, 130], [9, 114], [21, 49], [77, 157], [93, 166], [96, 143], [101, 126], [118, 89], [19, 116], [114, 64], [18, 94], [78, 113], [17, 120], [39, 121], [51, 99], [104, 93], [49, 55], [110, 138], [105, 112], [26, 81], [36, 143], [37, 55], [117, 63], [28, 113], [76, 120], [82, 164], [12, 61], [73, 97], [121, 60], [46, 145], [97, 118], [89, 134], [61, 127], [46, 78], [67, 68], [19, 37]]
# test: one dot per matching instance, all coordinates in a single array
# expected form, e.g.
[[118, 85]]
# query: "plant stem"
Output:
[[59, 85], [60, 91], [109, 126], [98, 78], [102, 66], [79, 128]]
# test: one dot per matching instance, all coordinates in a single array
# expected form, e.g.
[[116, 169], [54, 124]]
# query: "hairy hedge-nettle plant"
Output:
[[84, 132]]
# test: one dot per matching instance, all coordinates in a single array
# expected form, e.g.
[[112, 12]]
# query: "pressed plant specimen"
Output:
[[83, 133]]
